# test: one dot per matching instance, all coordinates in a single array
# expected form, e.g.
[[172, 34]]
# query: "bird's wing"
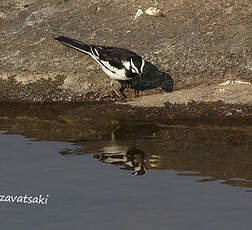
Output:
[[118, 63], [119, 58]]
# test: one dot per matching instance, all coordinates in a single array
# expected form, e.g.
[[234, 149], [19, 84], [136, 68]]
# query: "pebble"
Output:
[[153, 11], [138, 14]]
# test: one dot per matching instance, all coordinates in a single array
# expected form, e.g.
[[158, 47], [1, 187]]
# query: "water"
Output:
[[185, 177]]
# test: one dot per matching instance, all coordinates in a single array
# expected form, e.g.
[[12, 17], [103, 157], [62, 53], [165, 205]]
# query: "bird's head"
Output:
[[166, 82]]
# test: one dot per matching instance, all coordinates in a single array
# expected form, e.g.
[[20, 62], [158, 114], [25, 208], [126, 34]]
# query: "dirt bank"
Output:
[[196, 42], [228, 92]]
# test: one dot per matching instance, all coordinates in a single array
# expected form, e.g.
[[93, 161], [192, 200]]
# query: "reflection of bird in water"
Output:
[[132, 158]]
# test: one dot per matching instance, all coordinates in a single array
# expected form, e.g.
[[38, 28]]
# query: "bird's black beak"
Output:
[[167, 84]]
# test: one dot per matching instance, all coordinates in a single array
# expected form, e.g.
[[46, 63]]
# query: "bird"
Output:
[[123, 65]]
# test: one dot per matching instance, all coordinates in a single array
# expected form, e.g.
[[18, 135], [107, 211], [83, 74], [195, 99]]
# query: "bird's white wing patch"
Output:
[[126, 64], [142, 66], [93, 55], [134, 68], [96, 52], [113, 72]]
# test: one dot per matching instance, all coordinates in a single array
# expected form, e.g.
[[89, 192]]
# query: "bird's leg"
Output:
[[123, 87], [136, 93], [115, 90]]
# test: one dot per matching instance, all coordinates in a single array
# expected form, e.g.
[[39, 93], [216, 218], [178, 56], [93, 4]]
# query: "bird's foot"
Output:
[[123, 95], [120, 96], [122, 92], [136, 93]]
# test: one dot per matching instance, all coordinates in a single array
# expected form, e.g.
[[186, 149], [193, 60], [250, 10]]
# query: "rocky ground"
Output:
[[235, 92], [205, 46]]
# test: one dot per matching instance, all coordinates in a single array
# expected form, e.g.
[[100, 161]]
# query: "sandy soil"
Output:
[[196, 42], [228, 92]]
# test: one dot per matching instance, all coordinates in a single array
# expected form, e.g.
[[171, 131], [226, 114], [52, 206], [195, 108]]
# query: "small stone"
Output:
[[138, 14], [229, 114], [2, 15], [238, 110], [153, 11], [97, 9]]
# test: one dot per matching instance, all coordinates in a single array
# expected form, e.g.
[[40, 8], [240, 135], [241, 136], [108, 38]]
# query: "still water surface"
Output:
[[164, 178]]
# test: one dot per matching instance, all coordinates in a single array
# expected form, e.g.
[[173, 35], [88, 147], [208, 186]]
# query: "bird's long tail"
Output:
[[75, 44]]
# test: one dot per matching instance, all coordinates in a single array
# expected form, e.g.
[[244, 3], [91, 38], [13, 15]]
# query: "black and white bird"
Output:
[[123, 65]]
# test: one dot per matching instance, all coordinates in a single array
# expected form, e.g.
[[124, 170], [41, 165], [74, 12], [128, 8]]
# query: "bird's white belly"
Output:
[[117, 75]]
